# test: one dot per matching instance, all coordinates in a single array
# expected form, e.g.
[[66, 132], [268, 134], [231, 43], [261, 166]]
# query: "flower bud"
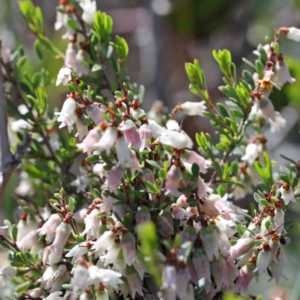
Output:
[[128, 247], [243, 246], [134, 282]]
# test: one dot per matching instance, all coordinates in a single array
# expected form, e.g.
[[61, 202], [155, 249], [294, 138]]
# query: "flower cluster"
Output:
[[148, 213]]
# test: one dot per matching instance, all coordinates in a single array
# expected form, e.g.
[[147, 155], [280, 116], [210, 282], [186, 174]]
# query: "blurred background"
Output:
[[162, 36]]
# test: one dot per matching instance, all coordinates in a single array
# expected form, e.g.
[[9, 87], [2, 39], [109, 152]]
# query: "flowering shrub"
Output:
[[115, 205]]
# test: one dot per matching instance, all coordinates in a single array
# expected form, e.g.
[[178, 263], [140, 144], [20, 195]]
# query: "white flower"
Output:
[[94, 112], [105, 276], [82, 130], [173, 125], [89, 8], [20, 125], [193, 108], [54, 296], [6, 274], [79, 68], [282, 74], [266, 48], [176, 139], [77, 251], [99, 170], [61, 19], [287, 193], [64, 76], [278, 123], [293, 34], [50, 225], [67, 115], [252, 152], [156, 129]]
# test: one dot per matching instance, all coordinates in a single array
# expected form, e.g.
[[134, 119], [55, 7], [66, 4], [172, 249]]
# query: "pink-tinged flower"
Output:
[[164, 227], [272, 116], [243, 246], [179, 213], [173, 178], [80, 280], [107, 140], [80, 66], [169, 278], [263, 260], [182, 279], [89, 8], [128, 247], [203, 189], [95, 113], [77, 251], [88, 144], [56, 249], [145, 134], [64, 76], [252, 152], [67, 115], [107, 277], [131, 133], [50, 225], [30, 242], [220, 274], [82, 129], [92, 221], [210, 240], [139, 267], [142, 215], [209, 208], [134, 282], [105, 242], [283, 74], [201, 264], [135, 164], [70, 57], [245, 277], [123, 152], [114, 178], [193, 157], [6, 275], [293, 34], [287, 194], [193, 108]]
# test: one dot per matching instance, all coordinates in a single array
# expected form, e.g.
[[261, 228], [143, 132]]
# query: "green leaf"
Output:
[[240, 229], [195, 170], [259, 68], [223, 110], [249, 63], [71, 204], [14, 232], [149, 246], [248, 77], [264, 202], [151, 187], [72, 24], [153, 163], [37, 49], [92, 158], [192, 202], [257, 197]]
